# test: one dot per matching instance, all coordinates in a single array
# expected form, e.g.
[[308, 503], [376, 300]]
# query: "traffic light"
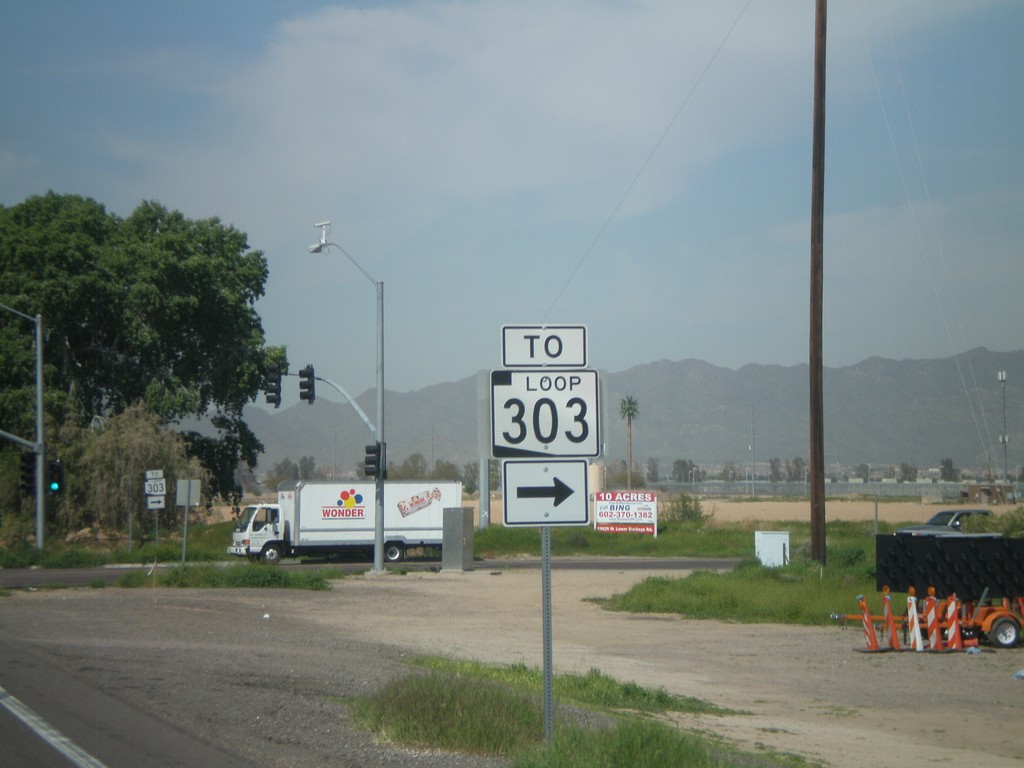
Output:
[[28, 473], [274, 384], [55, 476], [307, 385], [375, 463]]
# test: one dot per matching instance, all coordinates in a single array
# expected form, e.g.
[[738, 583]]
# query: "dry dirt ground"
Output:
[[807, 691]]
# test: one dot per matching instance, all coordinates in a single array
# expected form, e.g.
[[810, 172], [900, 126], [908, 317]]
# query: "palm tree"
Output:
[[629, 410]]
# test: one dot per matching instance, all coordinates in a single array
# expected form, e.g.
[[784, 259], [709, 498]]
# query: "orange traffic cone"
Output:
[[890, 622], [869, 628], [954, 641], [932, 618]]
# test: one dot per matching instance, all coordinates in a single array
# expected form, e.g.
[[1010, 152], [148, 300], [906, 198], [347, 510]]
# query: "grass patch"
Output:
[[246, 576], [800, 593], [636, 743], [476, 708], [454, 714], [676, 538], [593, 689]]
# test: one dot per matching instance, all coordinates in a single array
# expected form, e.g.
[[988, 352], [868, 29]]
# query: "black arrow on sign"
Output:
[[558, 491]]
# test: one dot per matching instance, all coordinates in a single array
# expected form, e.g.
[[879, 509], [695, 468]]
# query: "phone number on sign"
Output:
[[625, 514]]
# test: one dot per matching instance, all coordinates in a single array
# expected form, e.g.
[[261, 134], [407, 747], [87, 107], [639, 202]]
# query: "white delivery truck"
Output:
[[318, 518]]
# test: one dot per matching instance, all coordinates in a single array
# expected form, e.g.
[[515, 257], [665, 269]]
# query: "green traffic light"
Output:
[[55, 476]]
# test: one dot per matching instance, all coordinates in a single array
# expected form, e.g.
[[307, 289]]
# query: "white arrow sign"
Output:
[[546, 493]]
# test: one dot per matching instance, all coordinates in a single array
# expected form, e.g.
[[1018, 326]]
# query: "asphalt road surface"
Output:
[[165, 677], [50, 717]]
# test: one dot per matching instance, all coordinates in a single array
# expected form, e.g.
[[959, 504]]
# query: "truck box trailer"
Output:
[[320, 518]]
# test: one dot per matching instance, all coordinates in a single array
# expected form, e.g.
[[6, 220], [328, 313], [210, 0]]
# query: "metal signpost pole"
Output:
[[184, 538], [549, 698]]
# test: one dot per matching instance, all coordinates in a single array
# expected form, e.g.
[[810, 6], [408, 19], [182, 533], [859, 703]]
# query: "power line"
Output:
[[646, 162]]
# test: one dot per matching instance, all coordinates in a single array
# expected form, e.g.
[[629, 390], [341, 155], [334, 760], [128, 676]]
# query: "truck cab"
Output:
[[257, 533]]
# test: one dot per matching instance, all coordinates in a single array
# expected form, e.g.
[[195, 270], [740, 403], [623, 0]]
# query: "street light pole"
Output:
[[1004, 438], [38, 447], [378, 516]]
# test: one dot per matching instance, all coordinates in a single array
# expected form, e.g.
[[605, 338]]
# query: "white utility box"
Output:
[[772, 548]]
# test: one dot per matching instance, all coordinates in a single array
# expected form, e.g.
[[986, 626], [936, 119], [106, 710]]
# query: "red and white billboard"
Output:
[[626, 512]]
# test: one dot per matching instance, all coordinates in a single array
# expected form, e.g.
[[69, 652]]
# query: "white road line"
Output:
[[48, 733]]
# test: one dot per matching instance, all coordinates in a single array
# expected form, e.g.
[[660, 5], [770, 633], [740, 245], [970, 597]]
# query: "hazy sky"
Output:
[[641, 168]]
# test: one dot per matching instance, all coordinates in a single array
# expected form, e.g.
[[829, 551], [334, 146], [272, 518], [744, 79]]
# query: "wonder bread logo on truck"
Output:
[[349, 507]]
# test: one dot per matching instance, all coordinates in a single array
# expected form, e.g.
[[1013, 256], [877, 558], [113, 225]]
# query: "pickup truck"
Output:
[[945, 523]]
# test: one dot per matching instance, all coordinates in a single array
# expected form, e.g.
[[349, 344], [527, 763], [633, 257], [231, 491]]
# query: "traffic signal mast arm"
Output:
[[307, 374]]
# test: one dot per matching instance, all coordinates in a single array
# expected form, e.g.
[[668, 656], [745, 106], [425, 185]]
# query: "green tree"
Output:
[[795, 470], [283, 471], [775, 470], [730, 472], [307, 468], [153, 308], [412, 468], [653, 469], [630, 411], [685, 471], [445, 470], [471, 476], [947, 472], [106, 469]]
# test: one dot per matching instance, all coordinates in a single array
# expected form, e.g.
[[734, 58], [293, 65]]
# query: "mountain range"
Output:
[[879, 412]]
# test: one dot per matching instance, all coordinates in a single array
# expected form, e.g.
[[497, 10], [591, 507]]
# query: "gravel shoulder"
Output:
[[257, 670]]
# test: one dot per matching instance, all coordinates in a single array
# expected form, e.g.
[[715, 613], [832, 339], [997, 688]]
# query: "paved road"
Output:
[[49, 718], [27, 578]]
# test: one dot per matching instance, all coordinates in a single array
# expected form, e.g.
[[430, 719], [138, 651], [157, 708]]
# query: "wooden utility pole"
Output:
[[817, 457]]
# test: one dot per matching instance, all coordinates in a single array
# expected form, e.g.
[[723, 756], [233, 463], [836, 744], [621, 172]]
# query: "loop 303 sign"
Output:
[[544, 413]]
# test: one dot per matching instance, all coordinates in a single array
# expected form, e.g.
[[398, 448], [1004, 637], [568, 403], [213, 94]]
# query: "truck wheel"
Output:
[[394, 552], [1005, 633], [271, 554]]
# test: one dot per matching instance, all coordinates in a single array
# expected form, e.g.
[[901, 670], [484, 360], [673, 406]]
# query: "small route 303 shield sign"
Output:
[[546, 412]]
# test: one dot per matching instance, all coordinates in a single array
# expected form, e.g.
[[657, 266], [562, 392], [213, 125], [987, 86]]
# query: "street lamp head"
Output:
[[316, 248]]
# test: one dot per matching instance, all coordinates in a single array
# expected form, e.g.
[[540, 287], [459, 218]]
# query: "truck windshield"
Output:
[[942, 518], [242, 523]]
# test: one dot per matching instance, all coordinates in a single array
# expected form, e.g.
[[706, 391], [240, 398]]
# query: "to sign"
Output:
[[156, 487], [544, 413], [532, 346]]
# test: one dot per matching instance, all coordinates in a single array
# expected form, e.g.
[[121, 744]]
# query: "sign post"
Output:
[[545, 423]]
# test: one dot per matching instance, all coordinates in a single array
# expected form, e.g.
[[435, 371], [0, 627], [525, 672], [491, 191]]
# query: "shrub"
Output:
[[684, 509]]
